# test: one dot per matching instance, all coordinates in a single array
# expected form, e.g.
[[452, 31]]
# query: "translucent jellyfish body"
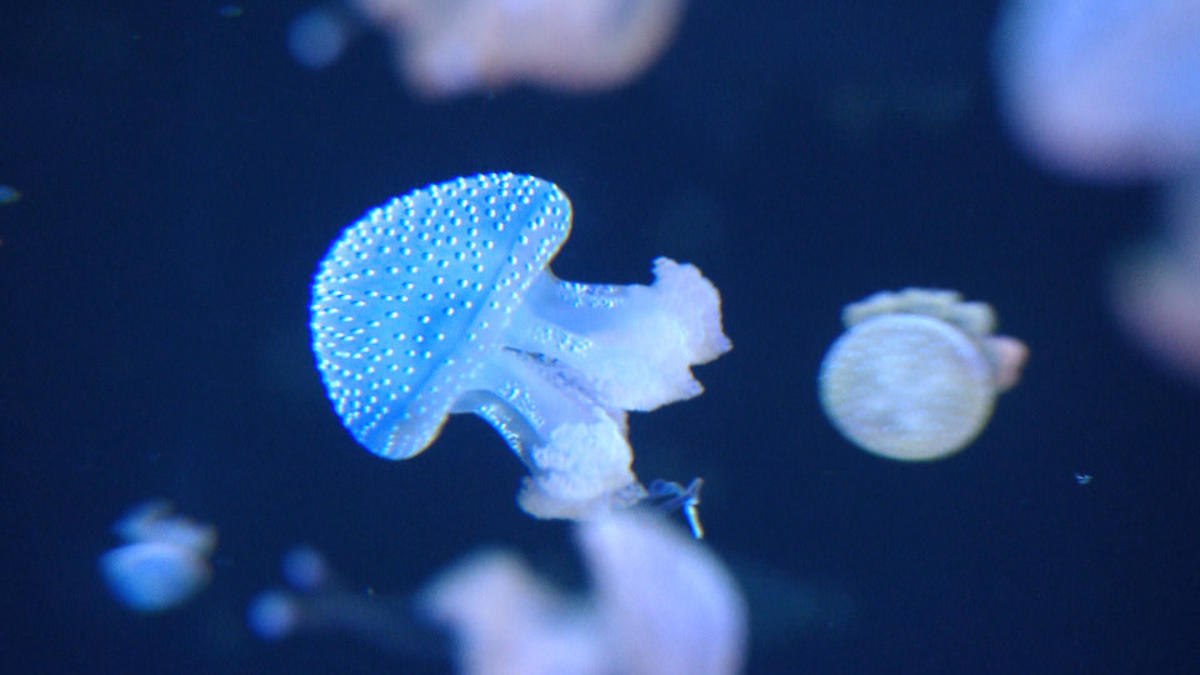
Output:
[[1104, 89], [441, 301], [449, 48], [660, 604], [916, 374], [165, 561]]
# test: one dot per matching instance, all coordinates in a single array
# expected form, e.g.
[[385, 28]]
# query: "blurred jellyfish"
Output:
[[317, 37], [660, 604], [318, 601], [441, 302], [9, 195], [165, 561], [917, 372], [449, 48], [1155, 288], [1103, 88]]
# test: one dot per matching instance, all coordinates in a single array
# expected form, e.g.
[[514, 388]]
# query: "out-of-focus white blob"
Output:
[[447, 48], [505, 620], [165, 561], [318, 37], [916, 374], [1105, 89], [1155, 288], [661, 603], [666, 602]]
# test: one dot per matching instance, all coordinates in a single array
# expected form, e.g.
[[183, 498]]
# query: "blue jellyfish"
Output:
[[163, 563], [441, 301]]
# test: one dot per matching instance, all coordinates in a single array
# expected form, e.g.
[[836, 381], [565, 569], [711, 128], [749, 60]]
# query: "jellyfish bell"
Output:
[[154, 576], [451, 48], [164, 561], [916, 374], [441, 301], [660, 603]]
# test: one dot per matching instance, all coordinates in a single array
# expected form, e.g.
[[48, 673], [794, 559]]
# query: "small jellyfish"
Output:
[[441, 301], [9, 195], [660, 604], [917, 372], [450, 48], [165, 561]]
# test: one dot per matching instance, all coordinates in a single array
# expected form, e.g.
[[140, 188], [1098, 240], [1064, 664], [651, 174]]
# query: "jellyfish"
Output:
[[317, 600], [1104, 89], [450, 48], [659, 603], [441, 301], [1155, 287], [916, 374], [165, 561]]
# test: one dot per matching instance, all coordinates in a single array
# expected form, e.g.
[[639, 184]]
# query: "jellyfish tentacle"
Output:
[[633, 345]]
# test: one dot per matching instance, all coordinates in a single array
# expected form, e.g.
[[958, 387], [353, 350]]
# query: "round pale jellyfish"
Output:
[[165, 561], [916, 374], [442, 301]]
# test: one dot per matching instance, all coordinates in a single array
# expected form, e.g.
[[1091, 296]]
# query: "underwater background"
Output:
[[178, 176]]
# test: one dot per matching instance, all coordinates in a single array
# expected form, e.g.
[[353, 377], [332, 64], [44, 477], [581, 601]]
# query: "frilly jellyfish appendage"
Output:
[[916, 374], [441, 301]]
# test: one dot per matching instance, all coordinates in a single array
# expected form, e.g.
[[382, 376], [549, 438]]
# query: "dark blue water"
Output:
[[180, 177]]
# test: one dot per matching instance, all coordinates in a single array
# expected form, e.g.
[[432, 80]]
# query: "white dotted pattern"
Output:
[[411, 296]]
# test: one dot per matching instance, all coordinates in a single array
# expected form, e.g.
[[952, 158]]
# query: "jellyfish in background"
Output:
[[449, 48], [916, 374], [659, 604], [1104, 89], [165, 561], [319, 602], [1110, 90], [1155, 288], [441, 301]]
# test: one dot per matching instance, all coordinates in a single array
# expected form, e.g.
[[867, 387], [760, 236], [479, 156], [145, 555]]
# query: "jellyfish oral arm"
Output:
[[575, 357], [575, 450], [632, 346]]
